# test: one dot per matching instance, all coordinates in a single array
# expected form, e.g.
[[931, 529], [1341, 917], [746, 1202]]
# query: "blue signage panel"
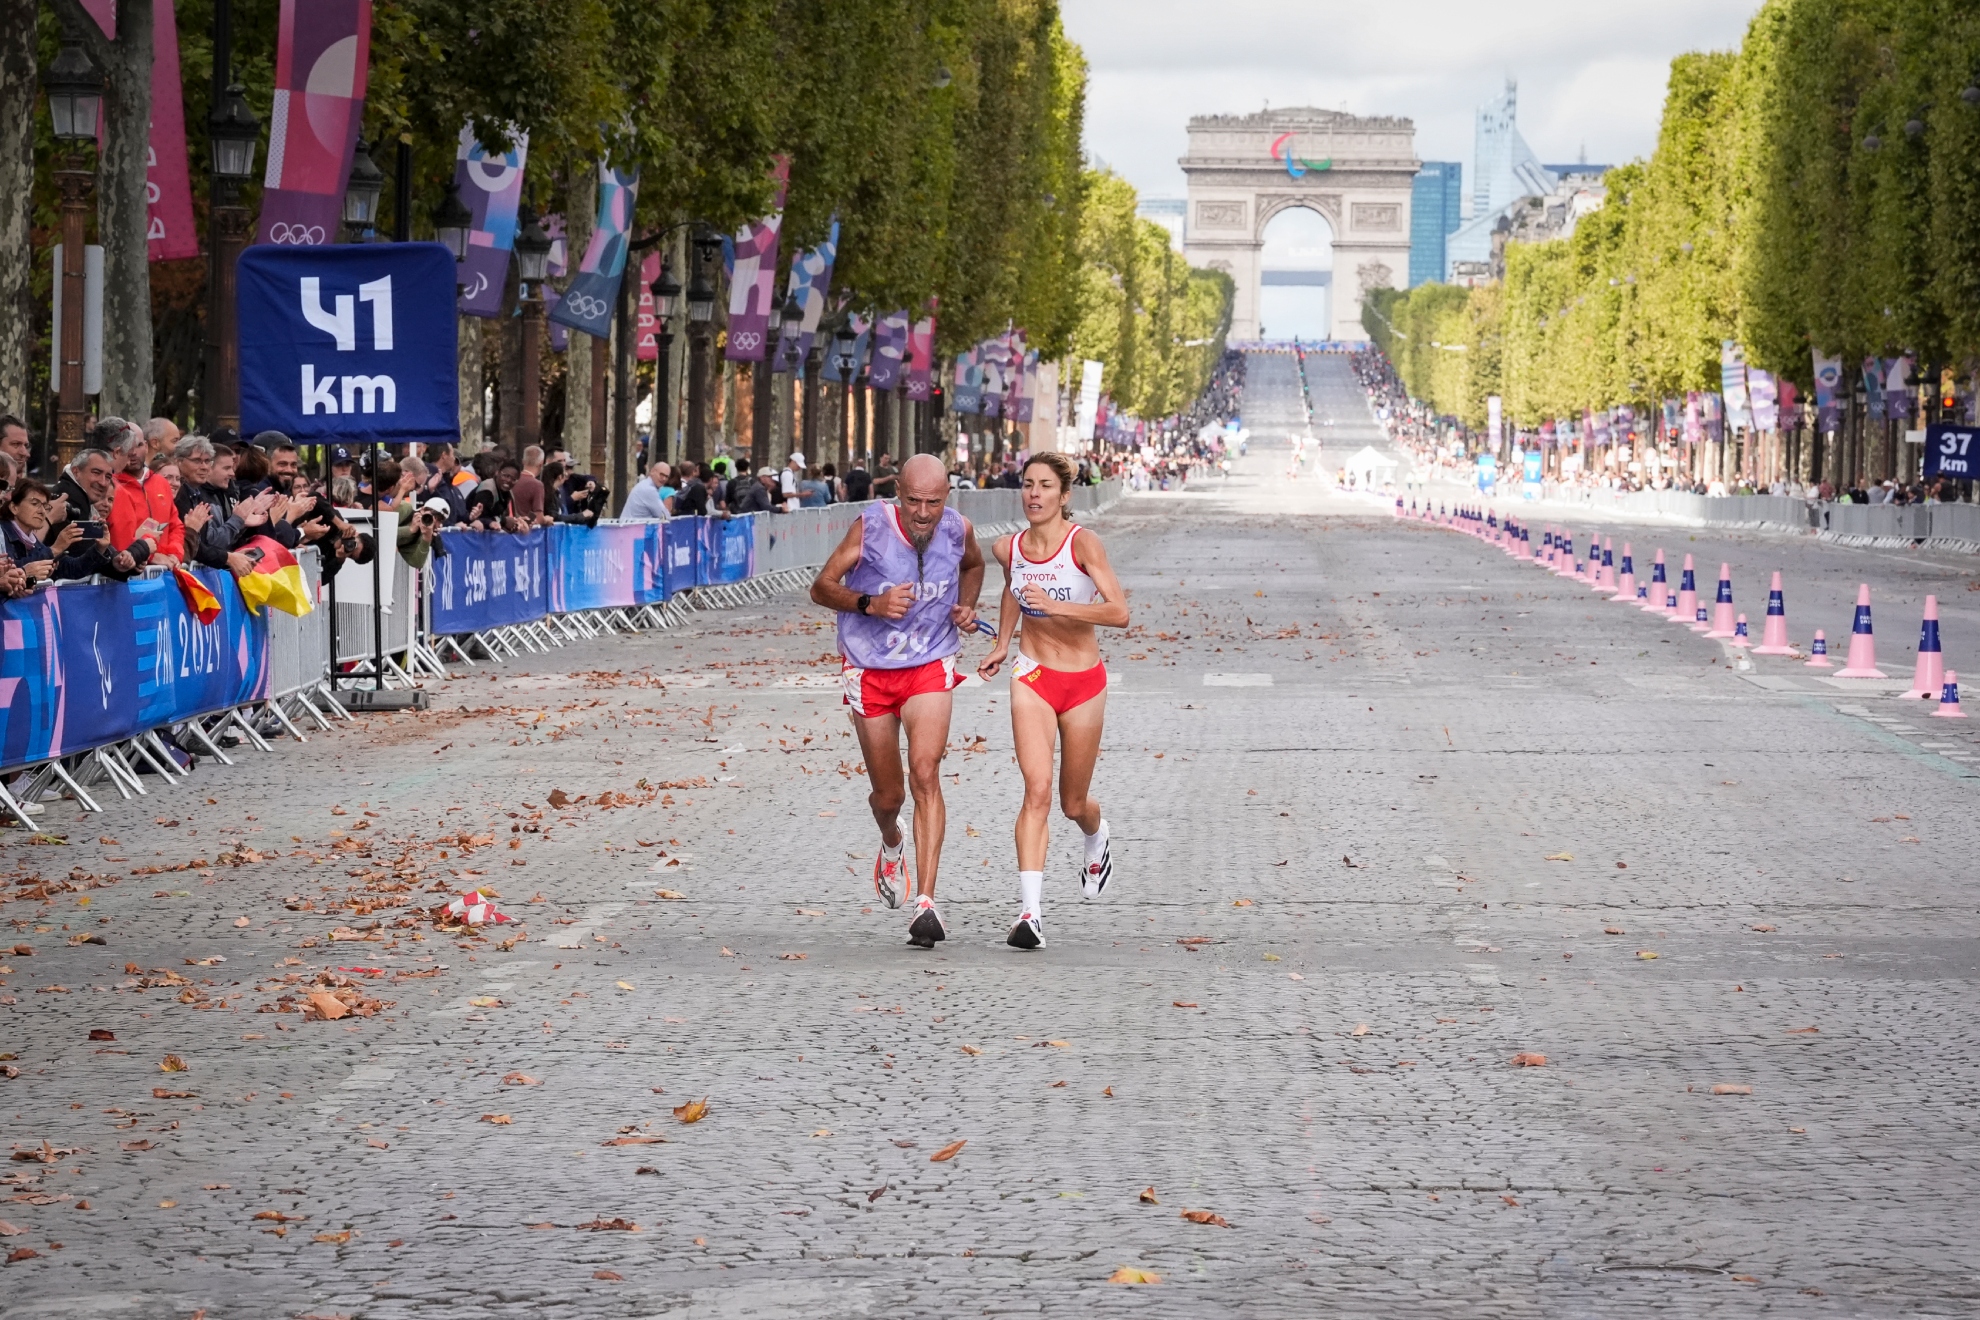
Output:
[[489, 580], [1952, 451], [351, 343]]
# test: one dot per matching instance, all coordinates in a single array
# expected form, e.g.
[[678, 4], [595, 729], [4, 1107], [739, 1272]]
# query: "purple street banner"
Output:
[[322, 55], [1712, 410], [1027, 400], [751, 259], [966, 395], [1873, 388], [890, 338], [921, 358], [593, 292], [1828, 380], [1897, 393], [810, 283], [491, 188], [994, 355], [1764, 399], [862, 329], [556, 266], [1694, 418]]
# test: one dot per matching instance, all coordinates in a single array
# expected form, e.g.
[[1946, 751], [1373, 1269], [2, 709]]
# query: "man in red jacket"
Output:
[[145, 509]]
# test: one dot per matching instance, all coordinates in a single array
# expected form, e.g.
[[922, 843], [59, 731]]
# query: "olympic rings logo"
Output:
[[586, 307], [746, 340], [297, 235]]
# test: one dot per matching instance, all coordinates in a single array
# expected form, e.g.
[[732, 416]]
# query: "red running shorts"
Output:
[[1062, 689], [874, 693]]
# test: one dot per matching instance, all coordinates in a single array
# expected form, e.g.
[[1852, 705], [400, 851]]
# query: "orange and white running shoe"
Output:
[[891, 880]]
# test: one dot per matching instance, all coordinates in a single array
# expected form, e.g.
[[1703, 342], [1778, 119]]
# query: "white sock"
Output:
[[893, 853], [1096, 843], [1031, 888]]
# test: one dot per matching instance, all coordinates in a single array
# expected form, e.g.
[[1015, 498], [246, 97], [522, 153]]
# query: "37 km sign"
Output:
[[1952, 451]]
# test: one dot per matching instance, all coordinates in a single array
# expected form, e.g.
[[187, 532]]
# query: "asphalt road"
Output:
[[1390, 810]]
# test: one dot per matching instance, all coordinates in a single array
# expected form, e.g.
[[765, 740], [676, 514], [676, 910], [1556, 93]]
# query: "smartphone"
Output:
[[93, 531]]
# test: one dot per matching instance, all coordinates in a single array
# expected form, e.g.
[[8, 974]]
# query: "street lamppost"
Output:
[[809, 362], [232, 132], [452, 222], [666, 295], [75, 101], [701, 334], [532, 265], [361, 195], [761, 372], [793, 319], [845, 349]]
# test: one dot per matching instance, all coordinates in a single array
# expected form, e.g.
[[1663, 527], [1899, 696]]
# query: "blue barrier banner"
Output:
[[351, 342], [680, 542], [591, 568], [489, 580], [93, 663], [727, 552], [649, 578]]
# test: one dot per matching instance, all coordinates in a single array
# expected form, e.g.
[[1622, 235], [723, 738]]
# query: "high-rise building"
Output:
[[1436, 209], [1504, 173]]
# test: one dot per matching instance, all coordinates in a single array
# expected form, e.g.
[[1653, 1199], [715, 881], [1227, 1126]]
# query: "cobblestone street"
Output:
[[1389, 810]]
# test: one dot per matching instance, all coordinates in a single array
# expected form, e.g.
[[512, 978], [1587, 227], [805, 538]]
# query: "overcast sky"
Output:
[[1591, 75]]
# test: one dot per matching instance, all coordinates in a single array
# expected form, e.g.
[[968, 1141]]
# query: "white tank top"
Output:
[[1059, 576]]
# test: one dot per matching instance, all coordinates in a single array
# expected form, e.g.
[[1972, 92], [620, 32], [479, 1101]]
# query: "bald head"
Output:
[[924, 486]]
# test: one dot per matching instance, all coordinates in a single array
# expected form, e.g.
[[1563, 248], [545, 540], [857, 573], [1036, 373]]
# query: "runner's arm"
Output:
[[1007, 614], [969, 586]]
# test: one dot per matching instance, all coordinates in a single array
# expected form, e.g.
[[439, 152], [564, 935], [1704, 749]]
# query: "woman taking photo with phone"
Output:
[[1058, 580]]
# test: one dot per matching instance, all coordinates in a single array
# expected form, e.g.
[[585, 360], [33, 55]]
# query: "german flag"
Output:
[[205, 606], [276, 579]]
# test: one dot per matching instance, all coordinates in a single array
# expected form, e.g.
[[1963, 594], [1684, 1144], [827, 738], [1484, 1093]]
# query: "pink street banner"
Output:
[[921, 358], [322, 56], [490, 185], [169, 232], [647, 344], [751, 258], [890, 336]]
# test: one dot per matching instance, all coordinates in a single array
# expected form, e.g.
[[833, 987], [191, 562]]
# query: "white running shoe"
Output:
[[926, 930], [1093, 876], [1027, 933], [891, 879]]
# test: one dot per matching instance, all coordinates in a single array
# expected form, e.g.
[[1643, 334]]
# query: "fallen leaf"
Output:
[[948, 1152], [559, 798], [623, 985], [608, 1276], [90, 937], [1108, 1092], [340, 1237], [243, 921], [172, 1063], [98, 1033], [1560, 857], [520, 1079], [160, 1093], [376, 1144], [1360, 1029], [1129, 1274], [1744, 1278], [276, 1216], [1612, 930], [1206, 1217], [10, 1230], [22, 1253], [635, 1141], [1179, 1003], [1147, 1196], [1646, 954], [1242, 902], [1763, 928], [135, 1145], [1805, 1031], [1057, 1044], [810, 912], [1272, 957], [1731, 1088], [1349, 861], [499, 1120], [693, 1111], [971, 1049], [1524, 1060], [603, 1225], [1509, 1200], [791, 957], [328, 1007], [670, 896], [875, 1195]]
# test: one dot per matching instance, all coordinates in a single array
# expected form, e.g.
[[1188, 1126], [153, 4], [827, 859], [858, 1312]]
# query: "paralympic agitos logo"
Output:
[[1282, 151]]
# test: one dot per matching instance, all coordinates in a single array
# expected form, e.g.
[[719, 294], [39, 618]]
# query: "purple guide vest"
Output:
[[886, 559]]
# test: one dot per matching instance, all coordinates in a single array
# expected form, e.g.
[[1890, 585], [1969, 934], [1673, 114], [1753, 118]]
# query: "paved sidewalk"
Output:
[[1341, 754]]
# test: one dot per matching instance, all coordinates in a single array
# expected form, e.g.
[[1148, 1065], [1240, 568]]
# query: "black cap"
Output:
[[339, 454], [266, 440]]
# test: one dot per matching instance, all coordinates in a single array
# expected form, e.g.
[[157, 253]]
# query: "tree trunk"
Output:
[[471, 384], [508, 391], [17, 313], [122, 215]]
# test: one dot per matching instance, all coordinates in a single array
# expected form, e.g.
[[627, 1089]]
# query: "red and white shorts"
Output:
[[1062, 689], [873, 693]]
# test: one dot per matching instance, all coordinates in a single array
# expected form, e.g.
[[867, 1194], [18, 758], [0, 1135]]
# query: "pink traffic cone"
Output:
[[1687, 594], [1722, 607], [1626, 579], [1740, 638], [1606, 580], [1929, 676], [1818, 652], [1949, 699], [1862, 661], [1774, 636], [1658, 587], [1703, 623]]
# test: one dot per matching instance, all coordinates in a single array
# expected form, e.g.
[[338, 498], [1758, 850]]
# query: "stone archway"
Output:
[[1355, 171]]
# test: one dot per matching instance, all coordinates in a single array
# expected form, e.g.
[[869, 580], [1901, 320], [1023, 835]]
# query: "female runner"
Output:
[[1057, 576]]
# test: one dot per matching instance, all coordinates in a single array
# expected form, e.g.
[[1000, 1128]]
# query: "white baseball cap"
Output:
[[797, 458]]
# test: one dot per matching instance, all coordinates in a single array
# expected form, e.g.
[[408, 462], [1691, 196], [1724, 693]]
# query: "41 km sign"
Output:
[[1952, 451]]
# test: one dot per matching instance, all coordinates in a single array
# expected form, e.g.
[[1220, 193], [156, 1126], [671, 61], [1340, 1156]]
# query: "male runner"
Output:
[[904, 580]]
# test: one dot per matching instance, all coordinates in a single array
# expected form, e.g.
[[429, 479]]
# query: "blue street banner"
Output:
[[1530, 473], [1488, 472], [593, 292], [862, 341], [1952, 451], [352, 343], [489, 580], [728, 551], [609, 567], [680, 540], [86, 664]]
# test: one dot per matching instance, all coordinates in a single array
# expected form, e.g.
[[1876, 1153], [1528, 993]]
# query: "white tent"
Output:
[[1367, 466]]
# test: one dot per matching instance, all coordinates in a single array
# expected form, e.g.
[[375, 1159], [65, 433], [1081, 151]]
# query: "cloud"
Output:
[[1590, 76]]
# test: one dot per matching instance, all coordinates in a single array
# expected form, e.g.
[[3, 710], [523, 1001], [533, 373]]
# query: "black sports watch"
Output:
[[864, 601]]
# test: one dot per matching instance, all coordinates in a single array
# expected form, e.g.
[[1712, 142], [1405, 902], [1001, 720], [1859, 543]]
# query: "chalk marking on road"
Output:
[[1860, 716], [1237, 680]]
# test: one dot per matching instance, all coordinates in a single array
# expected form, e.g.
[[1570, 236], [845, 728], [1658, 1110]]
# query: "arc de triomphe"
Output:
[[1356, 171]]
